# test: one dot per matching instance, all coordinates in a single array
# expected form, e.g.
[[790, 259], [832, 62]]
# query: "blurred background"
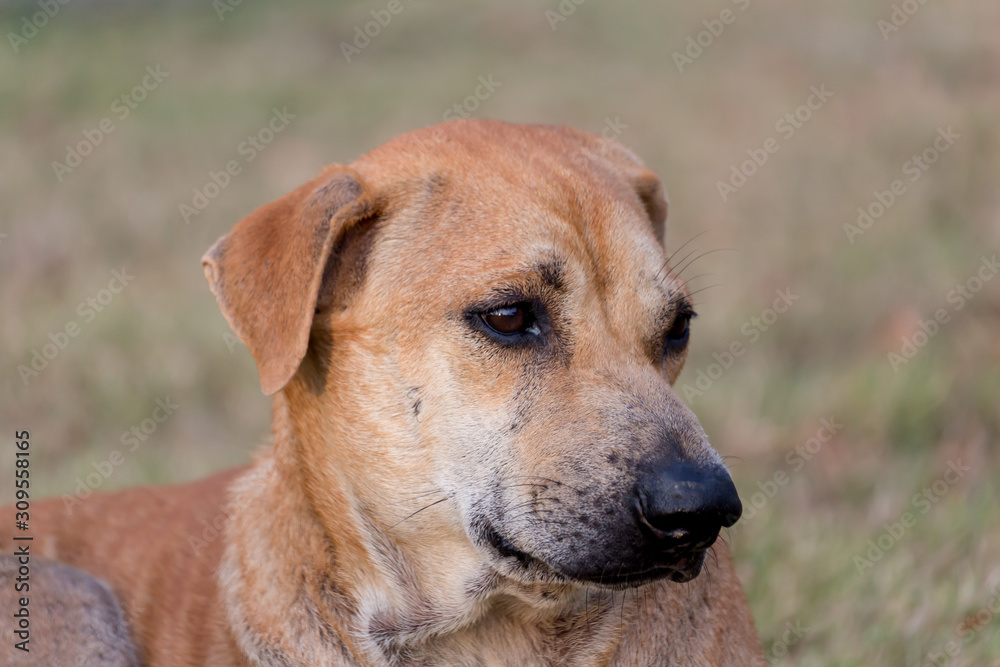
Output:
[[832, 170]]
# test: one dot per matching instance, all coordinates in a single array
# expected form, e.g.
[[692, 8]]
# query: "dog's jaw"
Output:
[[345, 606], [361, 621], [367, 610]]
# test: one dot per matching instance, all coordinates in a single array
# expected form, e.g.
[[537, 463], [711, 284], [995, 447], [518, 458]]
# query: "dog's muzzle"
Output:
[[662, 529]]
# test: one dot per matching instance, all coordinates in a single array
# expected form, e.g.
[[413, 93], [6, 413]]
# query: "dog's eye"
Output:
[[679, 331], [509, 320]]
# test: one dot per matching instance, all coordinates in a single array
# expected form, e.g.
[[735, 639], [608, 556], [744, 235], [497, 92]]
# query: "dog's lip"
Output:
[[682, 569], [504, 546]]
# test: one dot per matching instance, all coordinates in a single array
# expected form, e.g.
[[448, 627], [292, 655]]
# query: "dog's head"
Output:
[[482, 314]]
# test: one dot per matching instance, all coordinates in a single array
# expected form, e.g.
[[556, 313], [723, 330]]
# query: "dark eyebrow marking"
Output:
[[542, 283], [552, 273]]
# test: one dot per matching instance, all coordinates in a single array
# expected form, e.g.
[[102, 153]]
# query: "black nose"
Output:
[[686, 503]]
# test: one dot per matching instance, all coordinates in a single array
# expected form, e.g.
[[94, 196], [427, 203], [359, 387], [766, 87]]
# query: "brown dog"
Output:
[[471, 333], [76, 619]]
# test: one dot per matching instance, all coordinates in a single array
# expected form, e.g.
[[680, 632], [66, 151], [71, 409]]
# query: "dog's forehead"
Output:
[[510, 196], [509, 154]]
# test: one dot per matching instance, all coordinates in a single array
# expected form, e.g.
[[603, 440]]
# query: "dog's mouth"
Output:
[[680, 570], [505, 548], [679, 567]]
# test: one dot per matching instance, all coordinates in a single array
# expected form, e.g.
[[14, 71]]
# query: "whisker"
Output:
[[530, 502], [436, 502], [731, 457], [554, 481], [681, 270], [683, 245], [682, 260], [426, 493], [700, 275], [533, 513], [621, 613], [671, 255], [702, 289]]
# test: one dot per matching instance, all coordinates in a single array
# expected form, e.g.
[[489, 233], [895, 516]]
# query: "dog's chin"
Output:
[[517, 564]]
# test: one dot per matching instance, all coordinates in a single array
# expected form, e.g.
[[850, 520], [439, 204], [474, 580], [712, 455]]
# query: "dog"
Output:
[[470, 334], [80, 619]]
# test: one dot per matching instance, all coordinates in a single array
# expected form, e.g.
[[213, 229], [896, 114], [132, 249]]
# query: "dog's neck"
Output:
[[361, 597]]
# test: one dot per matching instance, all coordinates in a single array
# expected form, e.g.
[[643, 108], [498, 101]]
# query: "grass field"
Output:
[[861, 423]]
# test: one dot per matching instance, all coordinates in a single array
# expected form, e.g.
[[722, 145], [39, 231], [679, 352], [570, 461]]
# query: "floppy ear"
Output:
[[266, 273]]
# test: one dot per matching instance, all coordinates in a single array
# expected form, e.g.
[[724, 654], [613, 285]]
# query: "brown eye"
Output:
[[679, 331], [508, 320]]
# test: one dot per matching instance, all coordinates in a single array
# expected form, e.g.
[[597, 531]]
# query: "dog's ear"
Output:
[[650, 190], [266, 273], [645, 183]]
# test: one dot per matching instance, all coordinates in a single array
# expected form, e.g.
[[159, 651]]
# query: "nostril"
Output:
[[684, 503], [680, 527]]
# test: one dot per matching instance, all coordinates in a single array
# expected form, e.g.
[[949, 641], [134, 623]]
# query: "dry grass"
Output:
[[826, 357]]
